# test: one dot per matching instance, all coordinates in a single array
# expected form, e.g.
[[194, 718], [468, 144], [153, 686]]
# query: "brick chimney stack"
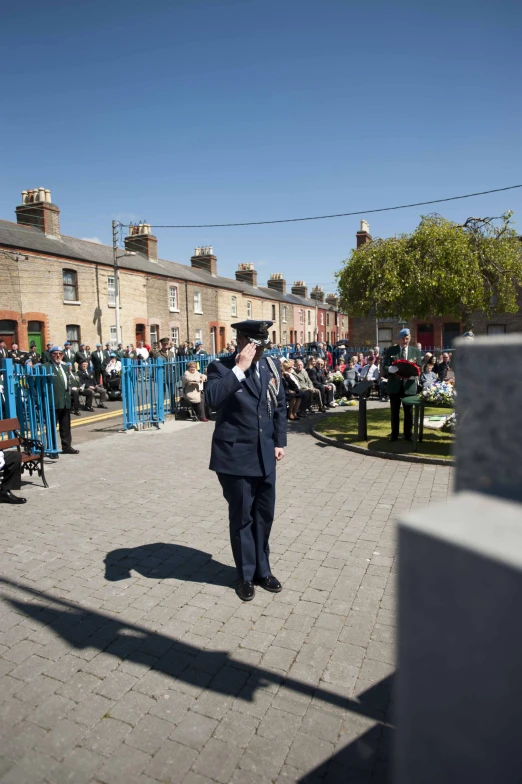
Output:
[[277, 282], [317, 293], [141, 240], [300, 289], [38, 211], [363, 235], [246, 273], [204, 259], [333, 300]]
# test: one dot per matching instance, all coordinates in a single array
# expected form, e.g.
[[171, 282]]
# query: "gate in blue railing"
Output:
[[27, 393]]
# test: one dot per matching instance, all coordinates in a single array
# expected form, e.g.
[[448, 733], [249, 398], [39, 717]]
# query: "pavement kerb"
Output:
[[376, 453]]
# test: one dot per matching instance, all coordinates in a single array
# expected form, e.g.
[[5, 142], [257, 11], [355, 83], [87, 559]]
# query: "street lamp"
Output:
[[115, 256]]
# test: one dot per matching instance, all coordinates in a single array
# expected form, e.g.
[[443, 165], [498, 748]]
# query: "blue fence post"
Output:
[[125, 392], [160, 391], [8, 376]]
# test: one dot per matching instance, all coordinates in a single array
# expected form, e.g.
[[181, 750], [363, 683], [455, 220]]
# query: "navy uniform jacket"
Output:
[[245, 436]]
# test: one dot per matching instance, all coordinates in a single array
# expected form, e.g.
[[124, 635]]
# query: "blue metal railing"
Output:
[[152, 390], [28, 395]]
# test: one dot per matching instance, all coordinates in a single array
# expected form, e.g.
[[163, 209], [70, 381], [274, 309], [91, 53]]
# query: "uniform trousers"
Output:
[[63, 420], [395, 408], [11, 474], [251, 504]]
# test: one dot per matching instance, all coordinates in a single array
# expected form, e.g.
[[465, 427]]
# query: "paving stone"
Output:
[[78, 767], [91, 710], [106, 736], [63, 737], [218, 760], [264, 757], [51, 710], [172, 706], [34, 768], [132, 707], [194, 730], [149, 734], [322, 724], [236, 728], [308, 752], [124, 766], [171, 762]]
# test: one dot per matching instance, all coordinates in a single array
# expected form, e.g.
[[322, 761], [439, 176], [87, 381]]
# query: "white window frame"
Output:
[[301, 316], [284, 314], [385, 337], [113, 336], [198, 302], [198, 335], [322, 319], [285, 337], [274, 312], [249, 309], [74, 339], [309, 317], [111, 291], [153, 329], [496, 329], [66, 287], [174, 335], [233, 306], [173, 299], [309, 336]]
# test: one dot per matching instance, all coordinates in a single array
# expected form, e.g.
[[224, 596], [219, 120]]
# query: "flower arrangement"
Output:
[[335, 376], [439, 394]]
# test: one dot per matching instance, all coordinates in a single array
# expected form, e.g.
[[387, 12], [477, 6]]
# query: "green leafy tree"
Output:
[[441, 269]]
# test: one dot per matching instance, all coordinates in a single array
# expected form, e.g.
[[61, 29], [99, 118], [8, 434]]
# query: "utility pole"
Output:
[[115, 227]]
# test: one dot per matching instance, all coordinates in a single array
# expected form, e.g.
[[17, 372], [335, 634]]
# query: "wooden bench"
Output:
[[32, 451]]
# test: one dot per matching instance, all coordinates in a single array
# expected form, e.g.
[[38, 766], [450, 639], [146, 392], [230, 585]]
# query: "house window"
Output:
[[385, 337], [322, 319], [73, 336], [234, 334], [249, 309], [114, 337], [309, 337], [273, 312], [327, 319], [153, 332], [70, 285], [301, 316], [174, 335], [309, 317], [284, 337], [111, 291], [342, 323], [198, 335], [198, 304], [173, 298], [284, 314], [301, 336], [496, 329], [233, 306]]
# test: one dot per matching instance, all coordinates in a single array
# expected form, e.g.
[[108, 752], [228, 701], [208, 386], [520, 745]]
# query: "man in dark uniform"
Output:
[[98, 363], [247, 392], [399, 387], [120, 351], [46, 355], [164, 351], [62, 400], [82, 355], [107, 353], [10, 476], [68, 353], [3, 350]]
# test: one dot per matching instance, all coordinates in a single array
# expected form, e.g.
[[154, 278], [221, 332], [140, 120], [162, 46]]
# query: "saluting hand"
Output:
[[245, 358]]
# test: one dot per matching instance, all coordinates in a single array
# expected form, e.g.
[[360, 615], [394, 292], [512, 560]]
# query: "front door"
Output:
[[425, 335], [34, 334], [140, 333], [8, 332], [450, 331]]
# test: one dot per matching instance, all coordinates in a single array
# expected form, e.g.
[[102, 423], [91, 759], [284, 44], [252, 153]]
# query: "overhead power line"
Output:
[[324, 217]]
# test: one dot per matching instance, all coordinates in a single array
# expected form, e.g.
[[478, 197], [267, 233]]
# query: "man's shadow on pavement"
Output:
[[161, 561]]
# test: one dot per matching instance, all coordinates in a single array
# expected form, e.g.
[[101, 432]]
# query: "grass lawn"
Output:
[[343, 428]]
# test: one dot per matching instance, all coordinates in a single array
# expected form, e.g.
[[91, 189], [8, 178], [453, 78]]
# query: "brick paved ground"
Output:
[[125, 657]]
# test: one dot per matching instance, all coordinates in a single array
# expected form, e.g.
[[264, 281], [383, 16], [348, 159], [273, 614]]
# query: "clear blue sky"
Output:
[[208, 111]]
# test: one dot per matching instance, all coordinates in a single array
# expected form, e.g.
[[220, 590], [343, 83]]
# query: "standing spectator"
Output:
[[3, 350], [142, 353], [166, 353], [298, 352], [68, 353], [34, 356], [89, 386], [46, 356], [399, 386], [192, 386], [130, 352], [98, 363], [107, 351], [120, 351], [16, 355], [82, 355], [183, 350], [199, 350], [62, 400]]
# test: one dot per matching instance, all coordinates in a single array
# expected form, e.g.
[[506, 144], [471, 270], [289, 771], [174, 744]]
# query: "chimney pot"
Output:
[[363, 235], [141, 240], [37, 211], [204, 260], [300, 289], [277, 282], [246, 273]]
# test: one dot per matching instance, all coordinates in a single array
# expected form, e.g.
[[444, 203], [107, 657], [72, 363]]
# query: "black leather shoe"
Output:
[[102, 405], [270, 583], [6, 497], [70, 451], [393, 438], [245, 590], [53, 457], [77, 413]]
